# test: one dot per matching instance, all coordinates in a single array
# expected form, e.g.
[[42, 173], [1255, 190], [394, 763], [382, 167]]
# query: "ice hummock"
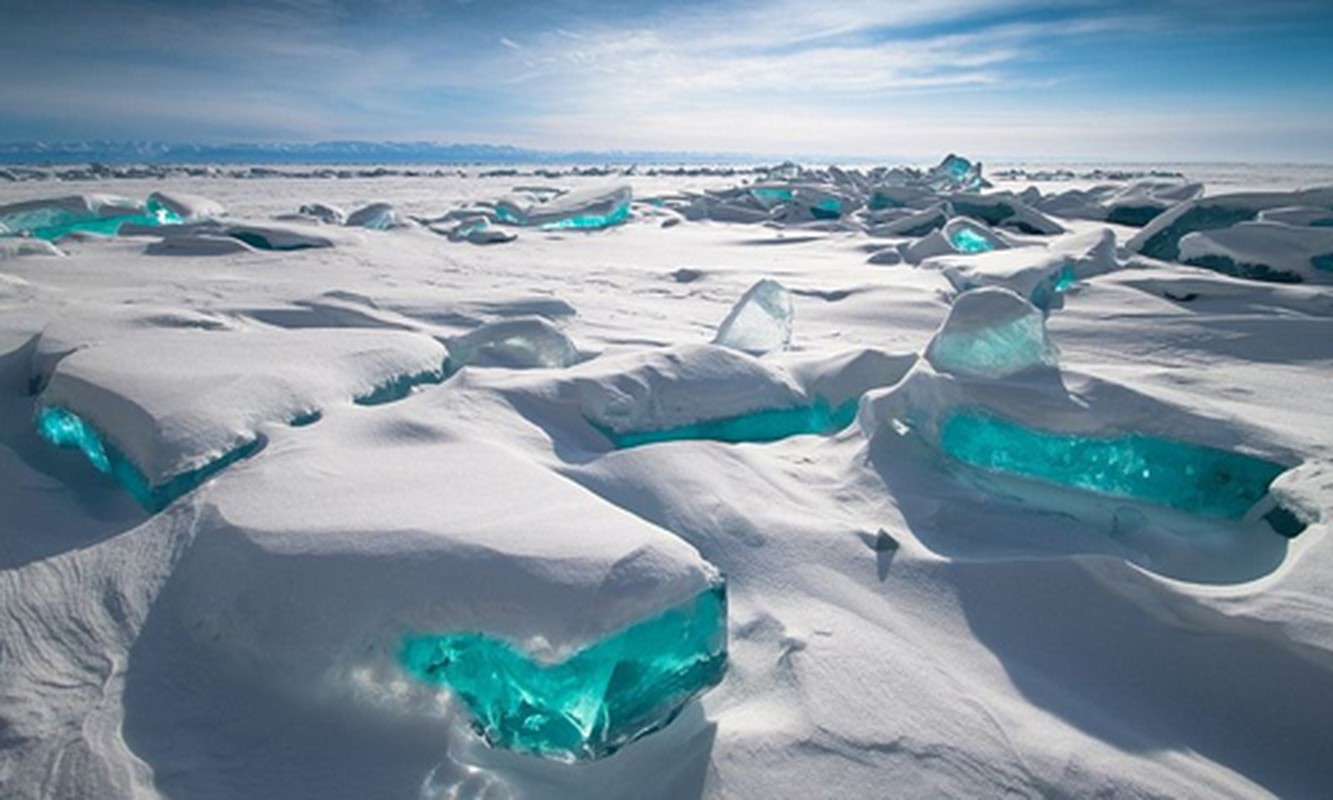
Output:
[[51, 219], [580, 209], [173, 402], [1161, 238], [991, 333], [760, 322], [1264, 250], [590, 704], [1040, 274], [519, 343], [376, 216]]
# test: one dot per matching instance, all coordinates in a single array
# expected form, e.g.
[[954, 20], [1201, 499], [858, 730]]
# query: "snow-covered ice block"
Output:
[[1040, 274], [21, 247], [959, 235], [1004, 210], [1161, 238], [520, 343], [261, 236], [588, 208], [1266, 251], [53, 218], [1299, 215], [174, 401], [991, 333], [342, 566], [181, 207], [1135, 204], [376, 216], [921, 223], [328, 214], [760, 322], [955, 173]]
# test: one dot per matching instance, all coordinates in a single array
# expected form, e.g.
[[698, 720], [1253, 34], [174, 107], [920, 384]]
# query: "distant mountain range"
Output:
[[343, 152]]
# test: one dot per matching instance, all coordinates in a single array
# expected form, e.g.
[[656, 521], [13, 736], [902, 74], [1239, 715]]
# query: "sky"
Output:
[[1172, 80]]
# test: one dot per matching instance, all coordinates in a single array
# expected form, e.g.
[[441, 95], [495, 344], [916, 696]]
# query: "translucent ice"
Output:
[[376, 216], [1180, 475], [521, 343], [760, 322], [102, 214], [769, 425], [64, 428], [581, 209], [592, 703], [991, 333], [968, 240]]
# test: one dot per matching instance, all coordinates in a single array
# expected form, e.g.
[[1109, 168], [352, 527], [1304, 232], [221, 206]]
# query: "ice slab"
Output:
[[328, 214], [955, 173], [1161, 238], [1265, 251], [991, 333], [1040, 274], [520, 343], [959, 235], [312, 568], [769, 425], [51, 219], [915, 225], [1187, 477], [1004, 210], [760, 322], [173, 401], [580, 209], [376, 216], [621, 688], [1135, 204]]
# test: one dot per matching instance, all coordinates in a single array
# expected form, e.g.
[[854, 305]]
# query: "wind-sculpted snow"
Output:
[[760, 322], [589, 705]]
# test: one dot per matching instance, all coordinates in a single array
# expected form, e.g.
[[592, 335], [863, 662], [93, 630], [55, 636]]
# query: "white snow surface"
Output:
[[1018, 641]]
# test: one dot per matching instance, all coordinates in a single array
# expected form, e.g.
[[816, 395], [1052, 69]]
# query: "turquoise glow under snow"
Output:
[[769, 425], [51, 224], [592, 703], [400, 387], [968, 240], [1188, 477], [64, 428], [590, 221], [998, 351]]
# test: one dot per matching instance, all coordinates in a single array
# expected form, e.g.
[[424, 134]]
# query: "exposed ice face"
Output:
[[769, 425], [956, 173], [376, 216], [991, 333], [592, 703], [173, 207], [1135, 204], [581, 209], [1187, 477], [52, 219], [1161, 238], [522, 343], [760, 322], [1041, 274]]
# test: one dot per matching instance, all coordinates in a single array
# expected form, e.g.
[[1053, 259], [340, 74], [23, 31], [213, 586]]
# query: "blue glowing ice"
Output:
[[769, 425]]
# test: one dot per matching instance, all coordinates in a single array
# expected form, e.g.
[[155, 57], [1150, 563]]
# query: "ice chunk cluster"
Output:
[[991, 333], [592, 703], [580, 209], [760, 322], [1135, 204]]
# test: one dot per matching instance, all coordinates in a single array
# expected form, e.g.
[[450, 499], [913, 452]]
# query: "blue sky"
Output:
[[1171, 80]]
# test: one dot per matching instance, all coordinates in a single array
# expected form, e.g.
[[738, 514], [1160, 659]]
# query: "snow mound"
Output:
[[175, 401], [519, 343], [1135, 204], [328, 214], [22, 247], [376, 216], [182, 207], [1161, 238]]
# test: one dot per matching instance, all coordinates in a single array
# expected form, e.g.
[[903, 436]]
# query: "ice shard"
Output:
[[623, 687], [1187, 477], [520, 343], [760, 322], [991, 333]]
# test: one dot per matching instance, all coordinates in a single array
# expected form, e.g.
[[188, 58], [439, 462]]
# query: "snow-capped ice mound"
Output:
[[328, 214], [1299, 215], [957, 174], [473, 229], [344, 563], [181, 207], [1135, 204], [259, 236], [679, 386], [520, 343], [376, 216], [991, 333], [1040, 274], [1266, 251], [1004, 210], [172, 402], [760, 322], [51, 219], [1161, 238], [590, 208], [915, 224], [959, 235]]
